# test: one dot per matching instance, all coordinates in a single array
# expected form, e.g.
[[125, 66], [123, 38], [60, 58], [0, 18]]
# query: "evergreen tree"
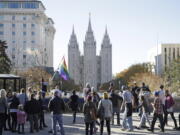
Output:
[[5, 63]]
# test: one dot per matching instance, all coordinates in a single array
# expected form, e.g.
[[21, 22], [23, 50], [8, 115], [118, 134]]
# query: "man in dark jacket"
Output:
[[135, 92], [116, 100], [32, 109], [41, 101], [57, 106], [74, 101], [13, 111]]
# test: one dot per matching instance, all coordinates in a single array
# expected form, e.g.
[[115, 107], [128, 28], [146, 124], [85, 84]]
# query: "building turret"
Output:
[[106, 59], [90, 70], [74, 58]]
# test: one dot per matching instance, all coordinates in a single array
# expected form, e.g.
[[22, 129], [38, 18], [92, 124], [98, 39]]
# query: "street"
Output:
[[79, 127]]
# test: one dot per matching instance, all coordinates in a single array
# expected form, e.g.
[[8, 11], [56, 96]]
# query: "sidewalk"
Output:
[[79, 129]]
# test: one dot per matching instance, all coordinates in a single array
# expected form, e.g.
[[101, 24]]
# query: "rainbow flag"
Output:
[[63, 71]]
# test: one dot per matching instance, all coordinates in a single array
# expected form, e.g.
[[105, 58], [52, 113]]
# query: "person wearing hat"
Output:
[[90, 111], [157, 113], [106, 104], [127, 102]]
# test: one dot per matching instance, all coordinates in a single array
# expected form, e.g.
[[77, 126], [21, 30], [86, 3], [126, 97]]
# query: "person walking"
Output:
[[116, 103], [162, 97], [32, 108], [169, 103], [135, 92], [145, 92], [105, 104], [13, 111], [158, 113], [3, 109], [127, 116], [57, 106], [74, 103], [89, 110], [145, 112], [21, 119]]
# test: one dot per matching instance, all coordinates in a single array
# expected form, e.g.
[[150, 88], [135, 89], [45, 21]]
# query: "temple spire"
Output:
[[73, 39], [89, 38], [73, 30], [106, 39], [89, 25], [106, 33]]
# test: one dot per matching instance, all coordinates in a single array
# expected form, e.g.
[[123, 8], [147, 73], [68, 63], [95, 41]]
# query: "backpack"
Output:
[[101, 111]]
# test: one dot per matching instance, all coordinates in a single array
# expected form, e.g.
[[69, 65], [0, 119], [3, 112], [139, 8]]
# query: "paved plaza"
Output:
[[79, 128]]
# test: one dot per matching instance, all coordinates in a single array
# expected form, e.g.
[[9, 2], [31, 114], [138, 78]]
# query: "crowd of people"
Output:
[[128, 100], [18, 108]]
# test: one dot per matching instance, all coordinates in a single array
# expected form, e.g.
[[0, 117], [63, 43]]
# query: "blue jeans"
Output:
[[127, 122], [57, 118], [127, 118], [144, 118]]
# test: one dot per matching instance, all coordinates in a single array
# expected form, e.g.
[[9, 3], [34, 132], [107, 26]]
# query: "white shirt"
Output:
[[127, 96], [162, 96]]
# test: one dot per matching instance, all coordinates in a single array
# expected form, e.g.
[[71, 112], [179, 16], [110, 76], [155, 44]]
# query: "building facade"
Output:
[[90, 67], [29, 33], [170, 52], [167, 53]]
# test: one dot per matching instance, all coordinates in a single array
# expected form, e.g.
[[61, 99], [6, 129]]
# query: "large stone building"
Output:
[[28, 31], [164, 55], [90, 68]]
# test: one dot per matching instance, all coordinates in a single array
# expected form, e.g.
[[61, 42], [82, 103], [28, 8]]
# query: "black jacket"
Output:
[[115, 98], [14, 102], [32, 107], [74, 101], [56, 105]]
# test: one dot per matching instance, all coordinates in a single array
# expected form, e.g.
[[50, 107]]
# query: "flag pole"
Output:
[[61, 80], [57, 68], [61, 84]]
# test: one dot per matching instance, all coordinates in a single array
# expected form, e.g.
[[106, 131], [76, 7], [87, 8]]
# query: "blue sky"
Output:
[[133, 26]]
